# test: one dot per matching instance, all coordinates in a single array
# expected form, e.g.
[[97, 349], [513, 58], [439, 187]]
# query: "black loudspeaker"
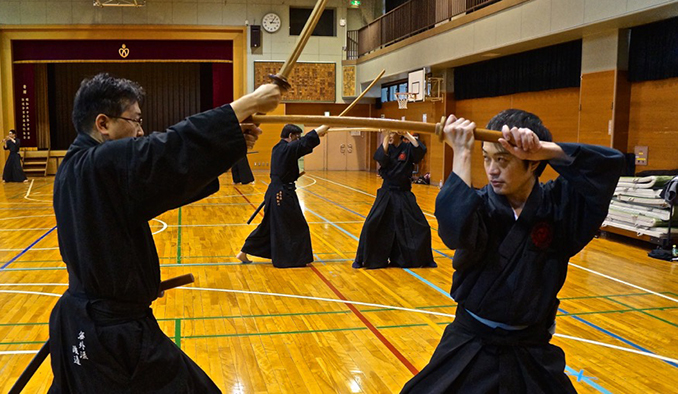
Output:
[[255, 36], [377, 103]]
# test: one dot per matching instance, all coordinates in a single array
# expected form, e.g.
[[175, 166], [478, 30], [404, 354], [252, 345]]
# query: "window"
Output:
[[388, 92], [326, 25]]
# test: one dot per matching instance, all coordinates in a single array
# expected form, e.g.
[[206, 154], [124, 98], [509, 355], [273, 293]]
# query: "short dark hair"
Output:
[[290, 129], [12, 131], [103, 94], [520, 118]]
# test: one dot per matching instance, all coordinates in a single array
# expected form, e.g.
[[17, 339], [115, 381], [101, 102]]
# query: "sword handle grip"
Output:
[[281, 82]]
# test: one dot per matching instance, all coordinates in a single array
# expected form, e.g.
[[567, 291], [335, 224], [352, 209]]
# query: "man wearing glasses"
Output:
[[112, 181]]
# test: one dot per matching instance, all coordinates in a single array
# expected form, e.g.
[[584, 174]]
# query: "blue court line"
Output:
[[615, 336], [438, 289], [29, 246], [586, 379], [356, 213]]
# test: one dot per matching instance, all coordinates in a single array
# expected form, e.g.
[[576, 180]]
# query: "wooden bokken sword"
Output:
[[256, 211], [374, 123]]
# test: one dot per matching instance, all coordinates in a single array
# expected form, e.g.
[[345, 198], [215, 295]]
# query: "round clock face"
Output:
[[271, 22]]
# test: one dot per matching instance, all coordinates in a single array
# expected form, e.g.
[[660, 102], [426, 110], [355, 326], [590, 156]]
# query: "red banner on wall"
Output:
[[131, 50], [24, 104]]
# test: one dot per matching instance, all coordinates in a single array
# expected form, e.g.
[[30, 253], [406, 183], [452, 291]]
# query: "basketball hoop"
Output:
[[434, 87], [403, 98]]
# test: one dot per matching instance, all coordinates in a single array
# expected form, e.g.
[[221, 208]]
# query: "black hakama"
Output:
[[510, 271], [283, 234], [241, 172], [13, 171], [103, 335], [396, 230]]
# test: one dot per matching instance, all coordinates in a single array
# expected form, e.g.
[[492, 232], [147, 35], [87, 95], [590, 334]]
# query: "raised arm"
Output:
[[166, 170], [588, 177], [381, 155], [459, 135], [305, 145]]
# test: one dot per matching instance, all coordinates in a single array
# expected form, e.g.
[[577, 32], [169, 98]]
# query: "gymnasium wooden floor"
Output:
[[330, 328]]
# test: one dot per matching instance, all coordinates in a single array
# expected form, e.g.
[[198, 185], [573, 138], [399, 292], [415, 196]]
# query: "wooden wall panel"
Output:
[[622, 109], [362, 110], [481, 111], [265, 144], [652, 122], [597, 97], [558, 109], [348, 84], [310, 81]]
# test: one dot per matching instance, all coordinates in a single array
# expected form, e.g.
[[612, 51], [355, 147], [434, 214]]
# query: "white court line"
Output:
[[28, 192], [29, 188], [315, 298], [26, 229], [629, 350], [255, 194], [30, 292], [626, 283], [626, 349], [164, 226], [244, 224], [29, 250], [28, 217], [7, 353], [359, 191]]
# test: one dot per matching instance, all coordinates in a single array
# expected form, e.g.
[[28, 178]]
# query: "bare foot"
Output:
[[242, 256]]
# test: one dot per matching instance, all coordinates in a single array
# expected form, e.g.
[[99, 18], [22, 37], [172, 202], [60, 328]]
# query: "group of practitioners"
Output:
[[512, 238], [395, 232]]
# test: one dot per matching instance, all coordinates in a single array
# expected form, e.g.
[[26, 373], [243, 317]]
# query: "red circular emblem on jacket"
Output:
[[542, 235], [402, 156]]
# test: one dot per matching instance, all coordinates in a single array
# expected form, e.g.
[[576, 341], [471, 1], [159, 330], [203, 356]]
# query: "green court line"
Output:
[[34, 261], [22, 343], [305, 331], [179, 238], [609, 295], [177, 332], [22, 324], [642, 310], [178, 337], [254, 334], [256, 316], [631, 309]]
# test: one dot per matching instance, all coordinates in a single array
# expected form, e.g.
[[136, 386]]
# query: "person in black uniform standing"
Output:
[[513, 239], [396, 232], [283, 234], [13, 171], [112, 181]]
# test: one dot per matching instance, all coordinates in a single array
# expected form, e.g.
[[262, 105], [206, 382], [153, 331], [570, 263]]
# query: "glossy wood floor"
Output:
[[330, 328]]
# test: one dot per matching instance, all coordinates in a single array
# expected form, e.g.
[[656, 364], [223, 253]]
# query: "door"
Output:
[[346, 151]]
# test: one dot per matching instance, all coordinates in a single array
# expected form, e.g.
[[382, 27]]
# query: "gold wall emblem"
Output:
[[124, 51]]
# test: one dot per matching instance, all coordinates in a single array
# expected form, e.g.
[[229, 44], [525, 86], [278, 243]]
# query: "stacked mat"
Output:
[[637, 207]]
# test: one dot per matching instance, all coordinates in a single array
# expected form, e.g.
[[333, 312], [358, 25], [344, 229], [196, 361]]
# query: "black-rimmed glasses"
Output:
[[139, 122]]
